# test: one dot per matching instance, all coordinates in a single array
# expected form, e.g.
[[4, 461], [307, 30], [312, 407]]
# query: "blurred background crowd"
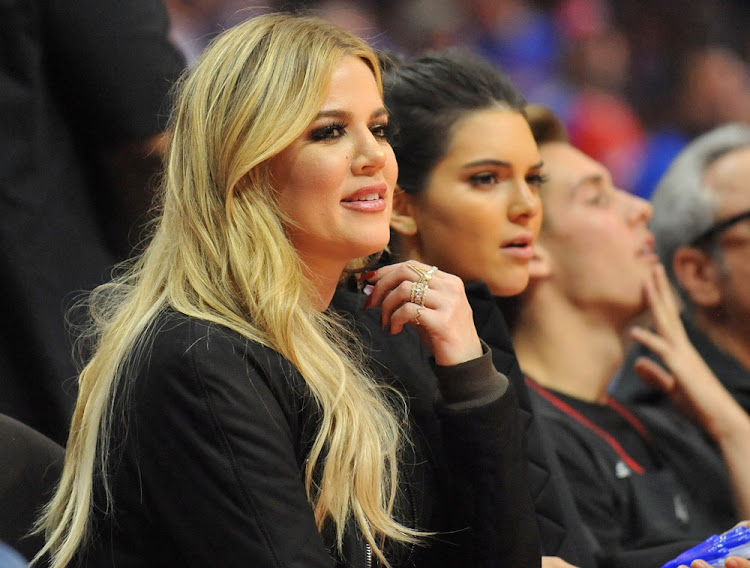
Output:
[[634, 81]]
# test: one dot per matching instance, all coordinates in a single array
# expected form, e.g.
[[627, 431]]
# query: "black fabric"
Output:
[[629, 387], [30, 466], [485, 446], [637, 519], [75, 78], [561, 530], [206, 469]]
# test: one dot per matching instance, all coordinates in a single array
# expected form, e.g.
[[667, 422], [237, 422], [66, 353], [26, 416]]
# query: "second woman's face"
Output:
[[481, 212], [335, 182]]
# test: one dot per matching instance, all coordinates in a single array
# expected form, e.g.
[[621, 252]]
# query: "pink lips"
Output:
[[521, 246], [370, 199]]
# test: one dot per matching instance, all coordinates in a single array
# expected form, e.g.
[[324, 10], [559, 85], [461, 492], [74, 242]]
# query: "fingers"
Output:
[[654, 374], [736, 562], [433, 302]]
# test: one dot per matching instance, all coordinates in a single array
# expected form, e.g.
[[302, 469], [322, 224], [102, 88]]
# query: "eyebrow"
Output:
[[346, 114], [499, 164]]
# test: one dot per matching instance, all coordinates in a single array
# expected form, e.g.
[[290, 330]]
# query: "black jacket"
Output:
[[561, 530], [206, 464]]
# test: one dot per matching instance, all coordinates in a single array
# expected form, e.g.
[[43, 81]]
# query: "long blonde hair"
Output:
[[220, 253]]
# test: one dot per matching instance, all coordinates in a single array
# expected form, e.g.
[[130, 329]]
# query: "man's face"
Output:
[[729, 177]]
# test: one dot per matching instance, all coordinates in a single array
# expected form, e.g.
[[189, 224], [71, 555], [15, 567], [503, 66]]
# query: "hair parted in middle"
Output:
[[220, 253]]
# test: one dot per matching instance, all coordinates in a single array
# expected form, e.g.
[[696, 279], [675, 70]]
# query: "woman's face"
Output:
[[480, 213], [600, 249], [335, 182]]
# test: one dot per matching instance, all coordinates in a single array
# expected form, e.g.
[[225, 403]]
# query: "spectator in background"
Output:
[[640, 482], [701, 223], [82, 92], [711, 87]]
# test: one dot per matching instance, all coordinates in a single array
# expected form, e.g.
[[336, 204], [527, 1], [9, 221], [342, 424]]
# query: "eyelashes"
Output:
[[489, 178], [336, 130], [537, 179]]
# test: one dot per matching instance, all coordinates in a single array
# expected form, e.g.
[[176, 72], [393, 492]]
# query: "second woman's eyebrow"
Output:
[[498, 163]]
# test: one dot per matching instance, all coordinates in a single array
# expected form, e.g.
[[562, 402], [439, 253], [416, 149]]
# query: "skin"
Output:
[[570, 337], [481, 196], [719, 289], [342, 155], [593, 223], [343, 151]]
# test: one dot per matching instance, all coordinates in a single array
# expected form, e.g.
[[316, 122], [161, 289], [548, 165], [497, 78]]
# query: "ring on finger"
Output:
[[428, 275], [418, 293], [416, 317], [421, 273]]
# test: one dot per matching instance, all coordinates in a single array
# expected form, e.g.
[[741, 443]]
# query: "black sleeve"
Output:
[[113, 64], [485, 450], [218, 460]]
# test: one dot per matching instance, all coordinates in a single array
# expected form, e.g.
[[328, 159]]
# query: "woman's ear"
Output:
[[402, 215], [697, 274], [540, 265]]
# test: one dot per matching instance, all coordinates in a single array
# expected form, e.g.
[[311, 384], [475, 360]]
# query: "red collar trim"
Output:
[[573, 413]]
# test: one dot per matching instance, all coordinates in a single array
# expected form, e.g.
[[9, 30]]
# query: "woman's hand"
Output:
[[441, 313]]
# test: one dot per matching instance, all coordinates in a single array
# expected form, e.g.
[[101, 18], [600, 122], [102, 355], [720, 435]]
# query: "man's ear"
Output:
[[540, 265], [697, 274], [402, 215]]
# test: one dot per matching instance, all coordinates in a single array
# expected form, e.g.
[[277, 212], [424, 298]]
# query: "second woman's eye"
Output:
[[328, 132], [536, 180], [485, 178]]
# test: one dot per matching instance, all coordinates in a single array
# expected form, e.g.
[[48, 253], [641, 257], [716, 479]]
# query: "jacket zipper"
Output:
[[368, 555]]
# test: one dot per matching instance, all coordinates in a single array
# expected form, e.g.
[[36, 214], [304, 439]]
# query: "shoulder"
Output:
[[187, 362]]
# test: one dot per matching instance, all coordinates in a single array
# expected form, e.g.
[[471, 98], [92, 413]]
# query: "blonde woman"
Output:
[[226, 417]]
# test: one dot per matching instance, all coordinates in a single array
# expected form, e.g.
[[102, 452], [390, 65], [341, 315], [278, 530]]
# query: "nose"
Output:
[[524, 202], [638, 209], [369, 154]]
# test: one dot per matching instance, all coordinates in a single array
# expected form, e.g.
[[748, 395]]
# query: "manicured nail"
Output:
[[368, 289], [368, 275]]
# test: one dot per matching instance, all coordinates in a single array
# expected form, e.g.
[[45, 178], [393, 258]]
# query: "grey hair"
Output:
[[683, 204]]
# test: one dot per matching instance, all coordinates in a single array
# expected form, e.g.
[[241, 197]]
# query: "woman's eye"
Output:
[[486, 178], [381, 131], [328, 132], [536, 180]]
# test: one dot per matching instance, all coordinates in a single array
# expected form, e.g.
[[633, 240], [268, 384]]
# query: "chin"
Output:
[[505, 288]]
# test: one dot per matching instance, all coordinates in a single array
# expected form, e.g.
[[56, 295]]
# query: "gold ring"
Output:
[[418, 292], [416, 317], [418, 270], [429, 273]]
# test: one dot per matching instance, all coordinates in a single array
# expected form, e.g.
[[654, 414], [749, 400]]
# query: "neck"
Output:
[[730, 334], [568, 350], [324, 278]]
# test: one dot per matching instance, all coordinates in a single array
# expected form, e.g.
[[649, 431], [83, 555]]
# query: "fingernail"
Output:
[[368, 275], [368, 289], [368, 301]]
